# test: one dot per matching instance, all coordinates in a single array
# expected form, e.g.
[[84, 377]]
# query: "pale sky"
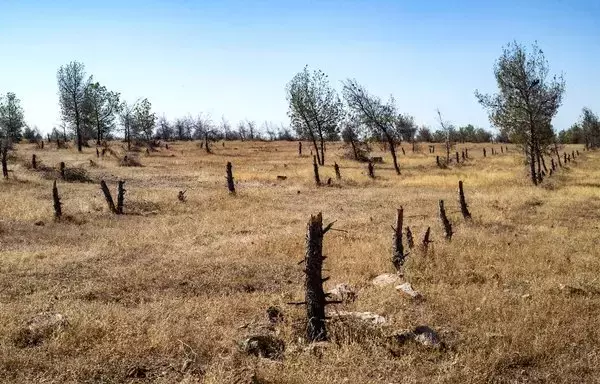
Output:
[[234, 58]]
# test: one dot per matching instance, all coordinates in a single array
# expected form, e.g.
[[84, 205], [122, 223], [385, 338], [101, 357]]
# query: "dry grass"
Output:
[[164, 293]]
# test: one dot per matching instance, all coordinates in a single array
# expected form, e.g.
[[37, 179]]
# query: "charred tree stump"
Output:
[[230, 184], [577, 152], [457, 158], [463, 203], [403, 152], [463, 156], [103, 152], [62, 169], [569, 158], [398, 255], [57, 203], [410, 241], [552, 164], [445, 221], [33, 161], [108, 197], [97, 153], [573, 155], [501, 149], [565, 155], [336, 167], [4, 151], [42, 144], [314, 293], [299, 148], [316, 171], [371, 169], [467, 153], [426, 240], [484, 153], [120, 197], [437, 161]]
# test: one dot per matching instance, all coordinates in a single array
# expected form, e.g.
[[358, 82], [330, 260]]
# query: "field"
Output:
[[166, 292]]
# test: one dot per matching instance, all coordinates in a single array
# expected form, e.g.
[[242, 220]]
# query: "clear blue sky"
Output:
[[234, 58]]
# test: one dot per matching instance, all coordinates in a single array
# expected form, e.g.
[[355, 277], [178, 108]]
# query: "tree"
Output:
[[526, 102], [352, 133], [12, 118], [590, 127], [72, 86], [127, 117], [203, 129], [381, 118], [32, 134], [225, 128], [424, 134], [251, 125], [103, 107], [164, 130], [449, 135], [315, 109], [144, 120]]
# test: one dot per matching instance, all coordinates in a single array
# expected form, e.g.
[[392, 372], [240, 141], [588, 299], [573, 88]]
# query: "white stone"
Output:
[[386, 279], [408, 289]]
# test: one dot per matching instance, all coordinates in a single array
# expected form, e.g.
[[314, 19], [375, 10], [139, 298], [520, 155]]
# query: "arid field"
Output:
[[166, 292]]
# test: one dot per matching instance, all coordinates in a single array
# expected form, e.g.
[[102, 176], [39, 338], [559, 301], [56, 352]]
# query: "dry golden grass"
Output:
[[167, 290]]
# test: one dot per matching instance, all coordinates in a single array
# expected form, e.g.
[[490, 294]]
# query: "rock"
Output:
[[364, 316], [422, 334], [342, 292], [408, 289], [266, 346], [386, 279], [40, 327], [426, 336]]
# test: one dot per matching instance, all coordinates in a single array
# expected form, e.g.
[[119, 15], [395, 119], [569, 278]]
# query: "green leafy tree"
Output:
[[72, 87], [12, 120], [103, 106], [144, 120], [526, 101], [590, 128], [315, 109], [382, 119]]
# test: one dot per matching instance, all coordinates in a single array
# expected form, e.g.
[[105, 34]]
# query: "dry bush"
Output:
[[130, 160]]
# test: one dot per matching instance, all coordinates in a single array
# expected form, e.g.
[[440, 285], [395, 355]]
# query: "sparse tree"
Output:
[[526, 102], [127, 118], [448, 131], [144, 120], [103, 107], [424, 134], [351, 134], [251, 126], [242, 132], [381, 118], [225, 128], [590, 128], [72, 86], [164, 130], [31, 134], [12, 120], [315, 109]]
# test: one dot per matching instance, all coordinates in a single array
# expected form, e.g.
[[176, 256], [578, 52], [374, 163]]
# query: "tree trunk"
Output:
[[230, 184], [532, 172], [314, 293], [353, 144], [393, 152], [398, 255], [316, 150], [57, 203], [78, 129], [322, 152], [316, 170], [108, 197], [445, 221], [463, 202]]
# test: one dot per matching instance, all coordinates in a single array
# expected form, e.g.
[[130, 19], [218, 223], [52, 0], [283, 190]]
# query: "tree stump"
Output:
[[445, 221], [62, 169], [336, 167], [120, 197], [108, 197], [230, 184], [33, 161], [4, 151], [484, 153], [299, 148], [398, 255], [463, 203], [314, 293], [57, 203], [371, 169]]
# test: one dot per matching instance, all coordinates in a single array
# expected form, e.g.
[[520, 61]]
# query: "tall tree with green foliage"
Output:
[[12, 118], [315, 109], [526, 101], [590, 127], [144, 120], [127, 119], [103, 108], [72, 87]]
